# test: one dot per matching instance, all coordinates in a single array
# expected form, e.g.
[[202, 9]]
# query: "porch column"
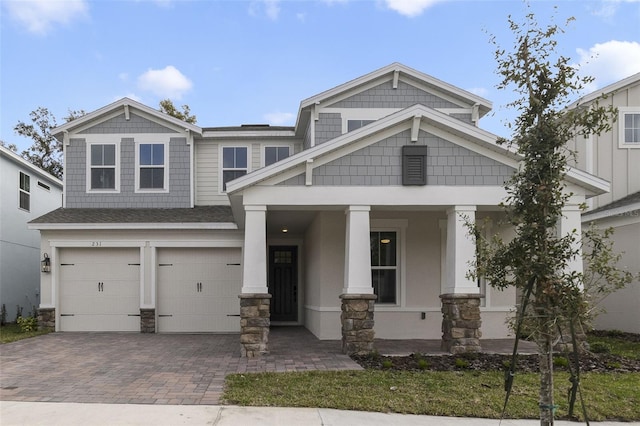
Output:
[[570, 221], [460, 294], [254, 298], [358, 300]]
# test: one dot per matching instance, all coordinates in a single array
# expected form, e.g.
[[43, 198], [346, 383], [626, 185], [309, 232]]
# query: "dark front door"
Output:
[[283, 282]]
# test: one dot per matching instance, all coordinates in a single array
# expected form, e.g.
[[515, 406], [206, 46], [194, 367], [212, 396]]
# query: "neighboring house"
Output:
[[26, 193], [350, 223], [615, 157]]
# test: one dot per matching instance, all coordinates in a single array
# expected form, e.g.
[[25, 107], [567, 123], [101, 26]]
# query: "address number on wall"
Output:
[[96, 243]]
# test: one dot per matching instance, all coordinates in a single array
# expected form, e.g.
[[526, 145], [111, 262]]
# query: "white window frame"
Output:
[[622, 111], [89, 167], [221, 163], [360, 114], [24, 191], [165, 182], [263, 151], [399, 226]]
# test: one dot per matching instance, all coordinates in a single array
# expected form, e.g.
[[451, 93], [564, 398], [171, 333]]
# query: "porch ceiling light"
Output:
[[385, 241], [45, 263], [284, 230]]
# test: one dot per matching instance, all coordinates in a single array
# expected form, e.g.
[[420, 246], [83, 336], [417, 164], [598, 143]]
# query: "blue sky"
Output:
[[236, 62]]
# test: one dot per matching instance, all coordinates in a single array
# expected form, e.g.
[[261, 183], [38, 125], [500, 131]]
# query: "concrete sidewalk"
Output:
[[75, 414]]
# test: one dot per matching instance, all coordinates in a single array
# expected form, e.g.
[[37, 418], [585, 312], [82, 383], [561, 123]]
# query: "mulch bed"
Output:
[[492, 362]]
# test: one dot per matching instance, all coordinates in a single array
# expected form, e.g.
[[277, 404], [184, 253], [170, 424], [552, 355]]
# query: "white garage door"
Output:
[[198, 290], [100, 289]]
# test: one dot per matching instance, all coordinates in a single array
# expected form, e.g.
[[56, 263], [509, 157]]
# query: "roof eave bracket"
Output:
[[415, 128]]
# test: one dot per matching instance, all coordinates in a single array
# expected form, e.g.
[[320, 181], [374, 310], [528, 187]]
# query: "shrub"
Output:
[[386, 364], [27, 324], [423, 364], [560, 362], [461, 363]]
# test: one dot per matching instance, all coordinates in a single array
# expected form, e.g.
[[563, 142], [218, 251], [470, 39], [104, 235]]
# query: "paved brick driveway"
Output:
[[168, 368], [149, 368]]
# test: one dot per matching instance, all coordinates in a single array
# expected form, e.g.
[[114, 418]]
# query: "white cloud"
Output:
[[166, 83], [279, 118], [40, 16], [609, 62], [410, 8], [271, 8]]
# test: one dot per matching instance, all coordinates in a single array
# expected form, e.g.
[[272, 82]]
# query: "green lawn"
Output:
[[11, 333], [461, 394]]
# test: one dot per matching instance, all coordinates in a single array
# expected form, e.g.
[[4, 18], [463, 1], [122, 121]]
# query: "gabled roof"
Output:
[[12, 156], [439, 122], [124, 103], [619, 85], [403, 73], [209, 217]]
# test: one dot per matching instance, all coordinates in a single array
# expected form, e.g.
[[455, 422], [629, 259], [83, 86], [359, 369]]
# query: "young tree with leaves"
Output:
[[167, 107], [537, 261]]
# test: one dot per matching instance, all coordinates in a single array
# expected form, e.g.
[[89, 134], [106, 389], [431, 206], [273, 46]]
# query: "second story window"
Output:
[[25, 192], [151, 162], [103, 166], [273, 154], [234, 164], [632, 128], [356, 124]]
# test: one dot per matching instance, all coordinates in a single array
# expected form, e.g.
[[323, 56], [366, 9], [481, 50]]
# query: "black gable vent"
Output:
[[414, 165]]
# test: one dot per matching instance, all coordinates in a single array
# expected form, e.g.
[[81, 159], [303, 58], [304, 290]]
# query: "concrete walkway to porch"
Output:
[[165, 369]]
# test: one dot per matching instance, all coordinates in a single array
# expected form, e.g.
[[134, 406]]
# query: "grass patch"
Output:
[[618, 345], [478, 394], [12, 333]]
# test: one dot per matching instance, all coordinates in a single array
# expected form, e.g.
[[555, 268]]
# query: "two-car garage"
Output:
[[196, 289]]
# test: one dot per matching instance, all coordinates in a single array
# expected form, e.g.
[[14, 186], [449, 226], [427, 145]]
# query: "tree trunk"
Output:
[[546, 379]]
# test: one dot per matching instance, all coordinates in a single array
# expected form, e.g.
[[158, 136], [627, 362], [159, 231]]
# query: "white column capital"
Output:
[[460, 209], [255, 208], [358, 209]]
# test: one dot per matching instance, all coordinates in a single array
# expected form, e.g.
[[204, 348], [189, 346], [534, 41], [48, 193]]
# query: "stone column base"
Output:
[[47, 319], [357, 323], [461, 323], [147, 320], [255, 320]]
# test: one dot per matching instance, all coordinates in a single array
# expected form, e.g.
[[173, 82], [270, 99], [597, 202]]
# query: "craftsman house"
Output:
[[350, 223]]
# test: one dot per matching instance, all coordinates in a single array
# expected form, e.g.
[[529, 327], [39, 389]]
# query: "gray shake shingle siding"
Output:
[[380, 164], [385, 96], [119, 124]]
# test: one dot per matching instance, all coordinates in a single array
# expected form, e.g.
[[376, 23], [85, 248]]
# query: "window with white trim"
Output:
[[384, 266], [273, 154], [234, 164], [356, 124], [103, 166], [25, 192], [631, 127], [151, 166]]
